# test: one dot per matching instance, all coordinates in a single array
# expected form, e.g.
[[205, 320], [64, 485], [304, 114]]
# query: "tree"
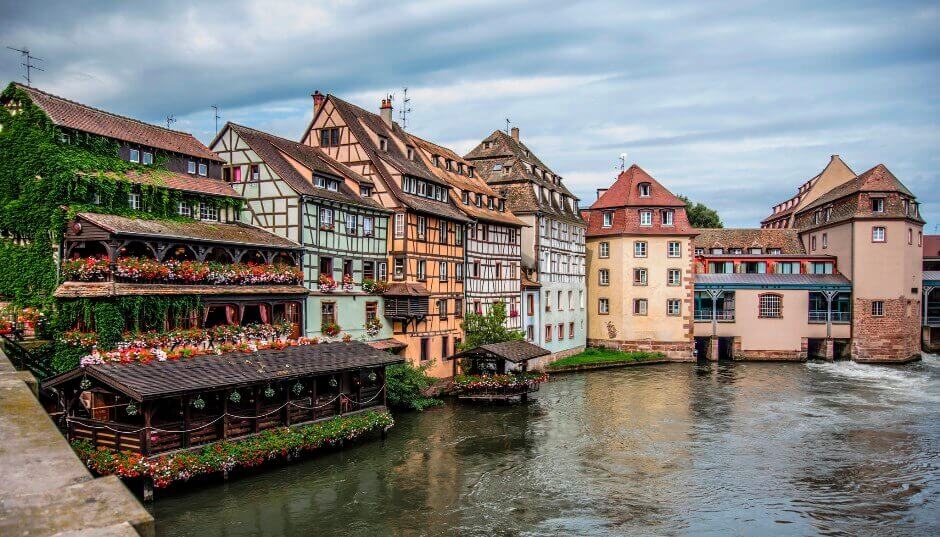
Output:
[[489, 328], [700, 215]]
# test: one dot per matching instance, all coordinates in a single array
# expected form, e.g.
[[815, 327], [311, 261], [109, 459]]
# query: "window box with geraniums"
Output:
[[141, 269], [330, 329], [326, 283], [373, 326], [348, 283], [500, 384], [326, 227], [374, 286], [90, 269]]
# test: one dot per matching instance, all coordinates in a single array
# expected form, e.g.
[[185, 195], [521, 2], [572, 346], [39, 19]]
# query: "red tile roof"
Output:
[[787, 240], [931, 245], [173, 181], [624, 201], [877, 179], [73, 115], [625, 192]]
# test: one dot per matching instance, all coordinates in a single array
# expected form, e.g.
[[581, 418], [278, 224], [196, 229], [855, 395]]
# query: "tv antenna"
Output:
[[507, 125], [405, 108], [170, 120], [28, 63], [215, 114], [623, 161]]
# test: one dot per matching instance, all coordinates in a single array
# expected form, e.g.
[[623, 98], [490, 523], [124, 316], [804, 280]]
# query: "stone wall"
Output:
[[676, 351], [893, 337], [541, 363]]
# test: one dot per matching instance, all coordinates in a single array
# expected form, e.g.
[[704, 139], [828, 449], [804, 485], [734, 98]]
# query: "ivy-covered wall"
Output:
[[45, 181]]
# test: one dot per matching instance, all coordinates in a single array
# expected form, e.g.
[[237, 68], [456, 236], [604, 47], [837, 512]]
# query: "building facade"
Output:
[[639, 261], [553, 241], [424, 303], [300, 193], [931, 298]]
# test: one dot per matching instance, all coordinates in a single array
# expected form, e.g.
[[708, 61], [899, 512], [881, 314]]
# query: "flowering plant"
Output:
[[330, 329], [498, 383], [373, 326], [374, 286], [141, 269], [89, 269], [327, 284], [348, 283]]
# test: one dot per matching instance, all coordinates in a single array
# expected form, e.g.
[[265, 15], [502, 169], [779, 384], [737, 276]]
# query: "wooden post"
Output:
[[257, 392], [224, 416], [359, 390], [313, 398], [148, 414], [384, 389], [286, 418], [186, 419]]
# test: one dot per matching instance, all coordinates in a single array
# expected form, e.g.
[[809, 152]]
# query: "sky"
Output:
[[733, 104]]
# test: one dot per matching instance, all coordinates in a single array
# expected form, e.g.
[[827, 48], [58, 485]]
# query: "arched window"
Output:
[[770, 306]]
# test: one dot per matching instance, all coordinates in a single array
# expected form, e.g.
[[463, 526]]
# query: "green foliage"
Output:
[[700, 215], [27, 273], [488, 328], [406, 385], [596, 356]]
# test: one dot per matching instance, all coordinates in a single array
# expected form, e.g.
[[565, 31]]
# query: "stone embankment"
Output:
[[44, 488]]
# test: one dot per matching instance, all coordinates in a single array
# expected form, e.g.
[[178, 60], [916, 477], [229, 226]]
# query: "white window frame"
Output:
[[185, 209], [770, 306], [674, 277], [674, 249], [326, 217], [603, 306], [877, 308], [603, 277], [608, 219], [134, 201], [668, 217], [641, 307], [646, 218], [203, 170], [208, 212], [640, 249], [644, 190], [191, 167], [879, 234], [442, 271], [147, 158], [422, 227], [368, 226], [673, 307], [134, 155], [604, 250], [399, 225], [352, 223]]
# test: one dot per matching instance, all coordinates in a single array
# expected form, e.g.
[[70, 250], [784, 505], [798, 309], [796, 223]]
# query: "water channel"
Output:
[[746, 449]]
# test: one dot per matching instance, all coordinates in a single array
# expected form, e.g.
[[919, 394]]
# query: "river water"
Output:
[[677, 449]]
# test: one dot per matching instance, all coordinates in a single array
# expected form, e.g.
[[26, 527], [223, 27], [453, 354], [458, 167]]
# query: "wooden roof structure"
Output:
[[229, 371], [511, 351]]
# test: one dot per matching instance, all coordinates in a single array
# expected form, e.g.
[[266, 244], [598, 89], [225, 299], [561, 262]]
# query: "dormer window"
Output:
[[203, 169], [877, 205], [497, 167], [148, 158], [134, 156], [383, 144], [486, 145], [437, 160], [608, 219], [411, 153], [646, 218], [450, 165], [465, 197], [470, 171], [644, 189], [502, 205], [479, 200], [828, 213], [489, 203], [717, 251], [736, 251], [460, 168], [754, 251], [365, 191], [191, 167], [668, 217], [332, 185], [320, 182]]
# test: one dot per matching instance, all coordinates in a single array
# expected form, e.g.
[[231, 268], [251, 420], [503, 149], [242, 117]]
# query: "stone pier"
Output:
[[44, 488]]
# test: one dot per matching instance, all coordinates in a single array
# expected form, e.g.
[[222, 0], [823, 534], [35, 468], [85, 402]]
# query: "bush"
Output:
[[406, 385]]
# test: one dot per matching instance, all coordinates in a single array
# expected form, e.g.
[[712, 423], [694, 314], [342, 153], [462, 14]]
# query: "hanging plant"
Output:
[[372, 376], [269, 392], [199, 403], [333, 382], [235, 397], [298, 388], [85, 383], [131, 409]]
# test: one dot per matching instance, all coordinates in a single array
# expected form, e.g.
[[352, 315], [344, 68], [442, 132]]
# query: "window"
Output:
[[604, 250], [608, 218], [825, 240], [191, 168], [570, 300], [674, 277], [674, 249], [208, 212], [769, 306], [603, 277], [720, 267], [877, 205], [422, 227], [368, 270], [668, 217], [673, 307], [787, 268], [774, 251], [910, 236], [639, 249], [717, 251], [422, 269], [828, 213], [133, 200], [571, 330], [329, 137], [442, 308], [332, 186], [398, 270], [877, 234], [383, 271], [819, 267], [254, 172], [445, 340], [548, 301], [737, 251], [640, 306], [646, 218], [581, 299], [135, 155], [383, 144], [603, 306], [700, 251], [548, 332], [326, 266], [352, 224], [458, 307], [442, 231], [347, 268], [185, 209], [877, 308], [644, 189], [458, 235], [327, 313], [368, 226], [203, 169], [148, 158], [812, 242], [365, 191], [411, 153], [425, 351], [399, 225], [754, 251], [458, 272], [465, 197], [326, 218], [442, 275], [639, 276]]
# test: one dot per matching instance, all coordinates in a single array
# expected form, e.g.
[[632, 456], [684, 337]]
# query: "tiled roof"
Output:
[[232, 370], [172, 181], [782, 281], [73, 115], [528, 282], [275, 152], [407, 289], [504, 149], [877, 179], [110, 289], [521, 199], [387, 344], [931, 245], [193, 230], [788, 240], [625, 192], [512, 351]]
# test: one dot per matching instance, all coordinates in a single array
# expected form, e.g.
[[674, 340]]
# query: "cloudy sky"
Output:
[[733, 104]]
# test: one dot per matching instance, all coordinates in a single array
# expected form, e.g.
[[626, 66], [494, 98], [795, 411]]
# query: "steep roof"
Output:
[[172, 181], [835, 173], [513, 351], [787, 240], [625, 192], [877, 179], [275, 152], [931, 245], [500, 146], [193, 230], [73, 115]]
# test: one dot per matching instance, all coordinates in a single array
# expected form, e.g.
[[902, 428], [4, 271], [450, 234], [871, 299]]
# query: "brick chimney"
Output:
[[386, 111], [318, 100], [515, 133]]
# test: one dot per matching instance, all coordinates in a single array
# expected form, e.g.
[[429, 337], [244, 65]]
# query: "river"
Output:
[[678, 449]]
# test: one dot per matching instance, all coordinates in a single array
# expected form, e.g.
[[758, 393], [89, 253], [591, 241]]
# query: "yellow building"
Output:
[[639, 257]]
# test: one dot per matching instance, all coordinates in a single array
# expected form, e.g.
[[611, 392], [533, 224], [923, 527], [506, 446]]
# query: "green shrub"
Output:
[[406, 385], [604, 356]]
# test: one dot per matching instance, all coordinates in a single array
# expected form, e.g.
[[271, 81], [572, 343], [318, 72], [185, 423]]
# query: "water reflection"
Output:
[[777, 449]]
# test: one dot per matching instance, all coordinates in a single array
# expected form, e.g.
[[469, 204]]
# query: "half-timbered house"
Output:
[[493, 250], [425, 299], [300, 193], [552, 244]]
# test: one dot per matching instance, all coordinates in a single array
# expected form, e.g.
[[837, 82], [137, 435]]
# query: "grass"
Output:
[[603, 356]]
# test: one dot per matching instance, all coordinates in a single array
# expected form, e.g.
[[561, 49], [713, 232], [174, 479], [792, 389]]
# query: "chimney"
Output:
[[515, 133], [386, 111], [318, 100], [601, 192]]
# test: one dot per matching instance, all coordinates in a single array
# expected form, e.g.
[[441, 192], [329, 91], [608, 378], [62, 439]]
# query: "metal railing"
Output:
[[706, 315], [819, 316], [39, 364], [932, 320]]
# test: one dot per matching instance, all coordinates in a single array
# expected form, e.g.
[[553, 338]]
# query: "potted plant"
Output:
[[327, 284], [330, 329], [348, 284]]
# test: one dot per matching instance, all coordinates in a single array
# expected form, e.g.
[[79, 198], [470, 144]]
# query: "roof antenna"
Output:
[[28, 63], [169, 120], [405, 108], [215, 113], [507, 125], [623, 162]]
